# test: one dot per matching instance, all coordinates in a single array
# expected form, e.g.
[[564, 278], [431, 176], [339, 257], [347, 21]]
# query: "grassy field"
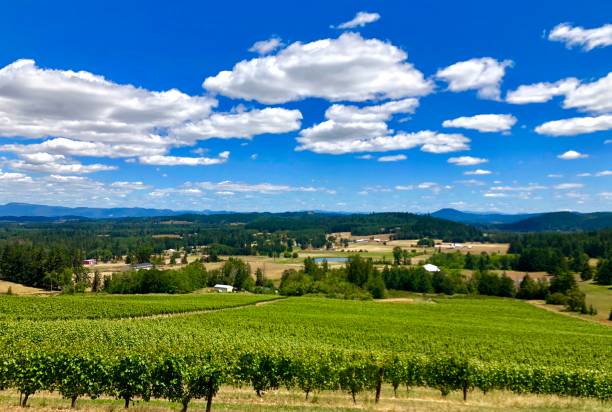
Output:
[[598, 296], [232, 399]]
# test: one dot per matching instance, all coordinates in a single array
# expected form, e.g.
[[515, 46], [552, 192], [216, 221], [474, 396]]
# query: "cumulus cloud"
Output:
[[466, 160], [483, 122], [130, 185], [361, 19], [184, 161], [240, 125], [588, 39], [429, 141], [575, 125], [88, 115], [347, 68], [352, 129], [478, 172], [482, 74], [53, 163], [393, 158], [594, 97], [266, 46], [572, 155], [541, 92]]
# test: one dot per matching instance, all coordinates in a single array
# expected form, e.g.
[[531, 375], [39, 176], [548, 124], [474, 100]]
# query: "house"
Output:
[[223, 288], [89, 262], [143, 266], [431, 268]]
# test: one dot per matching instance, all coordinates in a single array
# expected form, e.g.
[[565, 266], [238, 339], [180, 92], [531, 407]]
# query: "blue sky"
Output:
[[348, 105]]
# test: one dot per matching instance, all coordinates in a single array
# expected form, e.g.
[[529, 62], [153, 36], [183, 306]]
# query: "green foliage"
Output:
[[183, 280], [604, 272]]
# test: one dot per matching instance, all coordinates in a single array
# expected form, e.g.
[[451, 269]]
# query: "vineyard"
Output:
[[305, 344], [104, 306]]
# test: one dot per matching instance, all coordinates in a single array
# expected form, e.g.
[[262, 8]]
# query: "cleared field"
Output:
[[19, 289], [102, 306]]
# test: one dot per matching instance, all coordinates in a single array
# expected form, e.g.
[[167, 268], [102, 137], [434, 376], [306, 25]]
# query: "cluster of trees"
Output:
[[483, 261], [359, 279], [449, 282], [193, 276], [182, 379], [39, 266]]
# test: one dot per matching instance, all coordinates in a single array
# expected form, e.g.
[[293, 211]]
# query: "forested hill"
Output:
[[31, 210], [561, 222], [480, 218]]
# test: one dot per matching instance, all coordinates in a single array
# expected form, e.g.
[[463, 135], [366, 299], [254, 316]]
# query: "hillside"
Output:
[[480, 218], [561, 221], [32, 210]]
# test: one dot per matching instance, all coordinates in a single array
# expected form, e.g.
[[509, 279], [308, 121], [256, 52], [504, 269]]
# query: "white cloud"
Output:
[[478, 172], [529, 188], [575, 125], [184, 161], [266, 46], [541, 92], [365, 157], [604, 173], [594, 97], [8, 177], [53, 163], [87, 115], [352, 129], [569, 186], [266, 188], [36, 103], [394, 158], [130, 185], [579, 36], [489, 194], [361, 19], [240, 125], [347, 68], [429, 141], [404, 187], [466, 160], [482, 74], [554, 175], [483, 122], [572, 155]]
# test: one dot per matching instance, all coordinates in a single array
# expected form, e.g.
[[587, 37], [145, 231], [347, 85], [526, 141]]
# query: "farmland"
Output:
[[493, 332]]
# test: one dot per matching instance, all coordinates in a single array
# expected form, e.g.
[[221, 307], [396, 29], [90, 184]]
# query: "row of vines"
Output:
[[182, 378]]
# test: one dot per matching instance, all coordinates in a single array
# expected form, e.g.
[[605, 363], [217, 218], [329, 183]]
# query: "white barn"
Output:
[[223, 288], [431, 268]]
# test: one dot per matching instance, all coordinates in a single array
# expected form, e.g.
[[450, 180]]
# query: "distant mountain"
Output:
[[484, 218], [561, 221], [30, 210]]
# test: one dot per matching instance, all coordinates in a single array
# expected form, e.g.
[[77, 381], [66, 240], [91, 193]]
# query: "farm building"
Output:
[[143, 266], [431, 268], [89, 262], [223, 288]]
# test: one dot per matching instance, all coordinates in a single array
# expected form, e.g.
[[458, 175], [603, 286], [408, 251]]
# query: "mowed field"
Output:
[[491, 330]]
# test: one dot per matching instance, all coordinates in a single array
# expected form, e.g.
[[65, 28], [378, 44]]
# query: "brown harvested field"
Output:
[[168, 236], [176, 222], [18, 289], [517, 276]]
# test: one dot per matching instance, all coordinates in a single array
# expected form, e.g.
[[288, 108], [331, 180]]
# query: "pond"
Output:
[[331, 259]]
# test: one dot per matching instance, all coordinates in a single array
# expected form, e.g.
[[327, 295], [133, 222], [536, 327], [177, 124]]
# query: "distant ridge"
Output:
[[43, 211], [480, 218], [562, 221]]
